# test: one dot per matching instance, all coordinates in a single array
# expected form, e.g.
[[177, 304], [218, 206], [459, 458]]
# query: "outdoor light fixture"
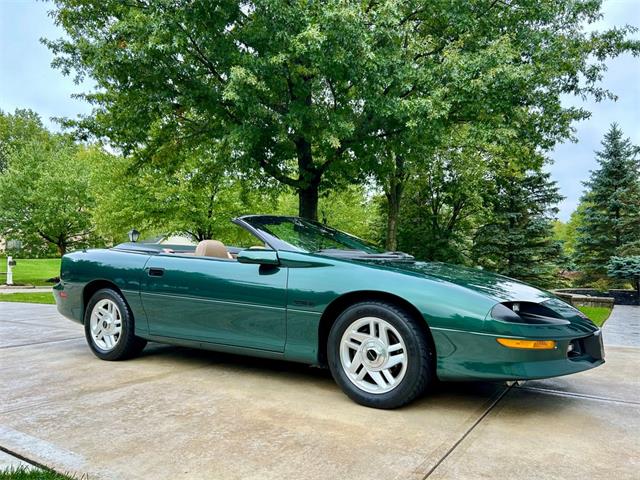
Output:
[[134, 235]]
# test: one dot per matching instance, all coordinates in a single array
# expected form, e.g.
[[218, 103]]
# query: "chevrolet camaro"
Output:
[[387, 326]]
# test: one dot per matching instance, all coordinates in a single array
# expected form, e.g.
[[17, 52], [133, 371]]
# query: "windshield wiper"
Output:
[[361, 254], [397, 254], [341, 251]]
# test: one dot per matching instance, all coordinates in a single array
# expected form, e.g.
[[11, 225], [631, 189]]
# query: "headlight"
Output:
[[527, 312]]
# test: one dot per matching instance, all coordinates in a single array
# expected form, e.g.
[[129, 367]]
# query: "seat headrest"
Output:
[[212, 248]]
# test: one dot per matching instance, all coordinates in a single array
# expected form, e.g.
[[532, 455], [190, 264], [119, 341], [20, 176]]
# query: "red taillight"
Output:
[[63, 294]]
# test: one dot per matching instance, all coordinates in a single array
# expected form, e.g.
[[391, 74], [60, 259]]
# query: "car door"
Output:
[[216, 300]]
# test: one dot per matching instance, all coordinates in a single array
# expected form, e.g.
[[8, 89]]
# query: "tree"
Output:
[[518, 240], [567, 232], [442, 203], [627, 268], [194, 196], [304, 91], [392, 174], [45, 192], [18, 129], [611, 204]]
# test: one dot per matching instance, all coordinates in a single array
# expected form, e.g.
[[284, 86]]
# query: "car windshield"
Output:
[[293, 233]]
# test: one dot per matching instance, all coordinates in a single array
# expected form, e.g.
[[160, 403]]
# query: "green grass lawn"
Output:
[[598, 314], [33, 271], [31, 474], [36, 297]]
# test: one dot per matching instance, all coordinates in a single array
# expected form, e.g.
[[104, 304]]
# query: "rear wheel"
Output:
[[379, 355], [109, 327]]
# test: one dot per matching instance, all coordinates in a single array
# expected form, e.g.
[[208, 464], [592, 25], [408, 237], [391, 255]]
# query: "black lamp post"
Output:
[[134, 235]]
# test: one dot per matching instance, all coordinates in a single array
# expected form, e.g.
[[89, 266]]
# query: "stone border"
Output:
[[578, 300], [620, 296]]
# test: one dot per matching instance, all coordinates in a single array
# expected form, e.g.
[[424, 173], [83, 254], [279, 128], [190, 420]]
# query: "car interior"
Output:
[[214, 249]]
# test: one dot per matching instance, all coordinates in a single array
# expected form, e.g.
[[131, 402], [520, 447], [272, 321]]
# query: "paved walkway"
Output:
[[623, 326], [176, 413], [6, 290]]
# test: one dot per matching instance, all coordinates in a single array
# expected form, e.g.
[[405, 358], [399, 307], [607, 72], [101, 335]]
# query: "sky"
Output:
[[573, 161], [28, 81]]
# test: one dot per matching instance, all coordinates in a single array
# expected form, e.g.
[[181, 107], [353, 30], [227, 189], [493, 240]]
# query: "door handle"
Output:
[[156, 272]]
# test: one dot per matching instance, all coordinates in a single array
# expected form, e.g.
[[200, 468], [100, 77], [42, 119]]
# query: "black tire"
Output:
[[127, 345], [418, 372]]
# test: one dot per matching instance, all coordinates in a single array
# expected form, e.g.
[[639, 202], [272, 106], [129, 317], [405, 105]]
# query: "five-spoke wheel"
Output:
[[106, 324], [379, 354], [373, 355], [109, 326]]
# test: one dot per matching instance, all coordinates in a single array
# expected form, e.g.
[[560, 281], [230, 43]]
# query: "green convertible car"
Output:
[[386, 325]]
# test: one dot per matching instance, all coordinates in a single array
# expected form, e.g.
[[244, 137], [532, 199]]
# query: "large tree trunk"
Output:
[[310, 178], [308, 202], [62, 248], [393, 193], [393, 213]]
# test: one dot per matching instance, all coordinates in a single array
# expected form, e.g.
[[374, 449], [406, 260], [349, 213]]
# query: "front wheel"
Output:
[[378, 355], [109, 328]]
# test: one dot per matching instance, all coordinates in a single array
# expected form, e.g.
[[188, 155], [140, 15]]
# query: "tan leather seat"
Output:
[[212, 248]]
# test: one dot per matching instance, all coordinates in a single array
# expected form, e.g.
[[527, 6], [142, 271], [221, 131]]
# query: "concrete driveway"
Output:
[[177, 413]]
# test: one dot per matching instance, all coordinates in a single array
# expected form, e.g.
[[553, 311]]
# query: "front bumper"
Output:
[[589, 348], [479, 356]]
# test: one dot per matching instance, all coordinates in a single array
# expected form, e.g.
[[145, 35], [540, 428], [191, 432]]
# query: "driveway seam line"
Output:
[[584, 396], [25, 322], [40, 343], [469, 430], [34, 324], [35, 463]]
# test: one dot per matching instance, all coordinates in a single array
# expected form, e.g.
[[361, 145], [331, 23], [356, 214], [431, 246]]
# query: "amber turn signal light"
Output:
[[527, 344]]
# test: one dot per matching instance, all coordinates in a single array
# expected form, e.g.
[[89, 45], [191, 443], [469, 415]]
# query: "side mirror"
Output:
[[258, 257]]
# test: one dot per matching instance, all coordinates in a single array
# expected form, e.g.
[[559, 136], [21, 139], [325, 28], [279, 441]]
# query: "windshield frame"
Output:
[[249, 223]]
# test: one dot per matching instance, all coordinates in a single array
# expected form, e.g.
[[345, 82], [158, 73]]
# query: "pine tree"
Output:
[[518, 242], [611, 202]]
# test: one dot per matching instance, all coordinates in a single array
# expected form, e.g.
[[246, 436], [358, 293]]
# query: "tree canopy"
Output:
[[18, 129], [442, 205], [195, 196], [306, 92], [45, 193]]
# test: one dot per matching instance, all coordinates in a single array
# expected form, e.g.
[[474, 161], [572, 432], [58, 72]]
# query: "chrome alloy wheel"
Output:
[[106, 324], [373, 355]]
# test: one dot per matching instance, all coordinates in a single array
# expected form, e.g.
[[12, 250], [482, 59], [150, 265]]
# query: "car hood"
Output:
[[498, 287]]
